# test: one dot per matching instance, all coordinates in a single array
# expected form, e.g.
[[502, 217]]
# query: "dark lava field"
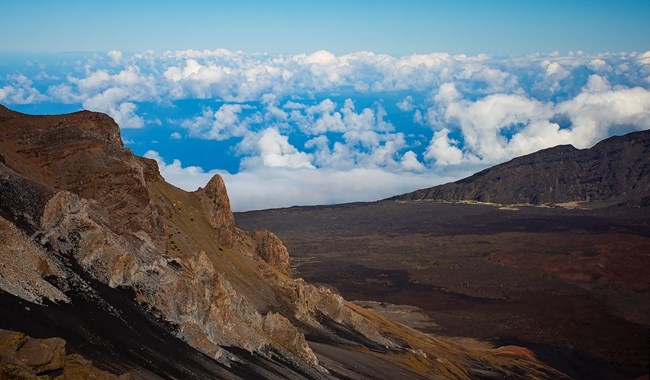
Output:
[[568, 283]]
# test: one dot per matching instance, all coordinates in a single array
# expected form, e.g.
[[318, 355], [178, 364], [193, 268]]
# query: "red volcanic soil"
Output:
[[570, 285]]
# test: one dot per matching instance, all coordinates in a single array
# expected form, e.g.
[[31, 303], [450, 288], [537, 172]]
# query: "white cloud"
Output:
[[596, 83], [418, 118], [410, 162], [114, 94], [125, 116], [115, 55], [644, 58], [112, 102], [282, 187], [502, 126], [293, 105], [443, 151], [326, 117], [175, 136], [20, 91], [447, 93], [406, 104], [269, 148], [226, 123], [593, 114], [555, 69], [495, 79], [63, 93], [238, 77], [222, 124], [483, 121], [599, 64]]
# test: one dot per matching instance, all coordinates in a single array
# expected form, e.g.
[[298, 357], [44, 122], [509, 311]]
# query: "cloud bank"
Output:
[[322, 128]]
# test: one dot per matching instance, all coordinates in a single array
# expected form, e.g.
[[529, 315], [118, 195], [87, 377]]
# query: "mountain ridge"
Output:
[[616, 169]]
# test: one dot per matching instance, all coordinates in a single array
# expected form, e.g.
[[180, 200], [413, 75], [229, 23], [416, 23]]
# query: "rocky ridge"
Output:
[[616, 169], [77, 207]]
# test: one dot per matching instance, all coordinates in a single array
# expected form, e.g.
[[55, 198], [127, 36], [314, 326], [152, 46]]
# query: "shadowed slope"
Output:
[[616, 169]]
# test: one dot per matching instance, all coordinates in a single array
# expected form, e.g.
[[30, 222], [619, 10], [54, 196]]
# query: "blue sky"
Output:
[[297, 102], [501, 27]]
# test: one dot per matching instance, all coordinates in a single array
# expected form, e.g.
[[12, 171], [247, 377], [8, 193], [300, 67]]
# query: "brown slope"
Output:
[[95, 215], [616, 169]]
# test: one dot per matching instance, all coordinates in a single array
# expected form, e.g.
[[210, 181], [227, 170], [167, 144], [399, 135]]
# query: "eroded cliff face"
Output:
[[72, 196]]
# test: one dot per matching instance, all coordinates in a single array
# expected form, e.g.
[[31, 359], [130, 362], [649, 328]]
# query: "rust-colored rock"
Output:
[[82, 153], [40, 355], [516, 352], [270, 248], [24, 357], [216, 205], [16, 372]]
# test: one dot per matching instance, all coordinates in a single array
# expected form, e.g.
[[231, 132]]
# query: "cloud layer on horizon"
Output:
[[321, 128]]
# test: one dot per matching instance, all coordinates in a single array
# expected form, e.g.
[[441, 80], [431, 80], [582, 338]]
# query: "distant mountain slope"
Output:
[[615, 169]]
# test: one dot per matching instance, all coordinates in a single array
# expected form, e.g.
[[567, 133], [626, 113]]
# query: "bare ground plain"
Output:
[[569, 283]]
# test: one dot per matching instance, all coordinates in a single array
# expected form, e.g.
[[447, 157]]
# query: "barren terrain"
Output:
[[570, 284]]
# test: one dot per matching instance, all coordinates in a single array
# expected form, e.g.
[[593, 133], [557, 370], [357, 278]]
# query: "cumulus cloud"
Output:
[[115, 55], [63, 93], [410, 162], [596, 83], [112, 101], [326, 116], [483, 121], [291, 105], [502, 126], [406, 104], [114, 94], [593, 114], [444, 151], [20, 91], [222, 124], [269, 148]]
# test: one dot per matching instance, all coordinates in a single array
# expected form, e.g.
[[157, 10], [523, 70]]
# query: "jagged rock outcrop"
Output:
[[616, 169], [89, 212], [214, 199], [270, 249]]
